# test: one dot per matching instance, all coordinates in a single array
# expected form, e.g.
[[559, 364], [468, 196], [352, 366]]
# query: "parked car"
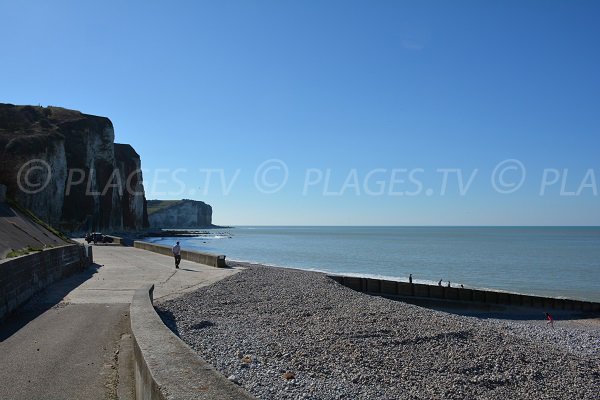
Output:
[[98, 237]]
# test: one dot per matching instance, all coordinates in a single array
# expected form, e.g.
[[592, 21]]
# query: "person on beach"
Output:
[[448, 284], [410, 278], [177, 254], [549, 320], [440, 283]]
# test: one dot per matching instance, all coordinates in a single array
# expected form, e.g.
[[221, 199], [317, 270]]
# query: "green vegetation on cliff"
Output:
[[22, 252]]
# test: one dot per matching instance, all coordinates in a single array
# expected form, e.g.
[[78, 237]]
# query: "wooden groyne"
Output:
[[489, 297]]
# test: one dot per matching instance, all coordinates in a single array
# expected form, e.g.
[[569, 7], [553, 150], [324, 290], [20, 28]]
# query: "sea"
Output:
[[559, 262]]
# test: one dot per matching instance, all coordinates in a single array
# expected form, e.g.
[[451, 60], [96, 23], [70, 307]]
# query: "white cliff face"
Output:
[[185, 214], [100, 158], [95, 203], [42, 182], [84, 187], [133, 199], [138, 202]]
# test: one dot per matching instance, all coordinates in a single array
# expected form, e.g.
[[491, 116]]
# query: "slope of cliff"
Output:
[[64, 166], [179, 214]]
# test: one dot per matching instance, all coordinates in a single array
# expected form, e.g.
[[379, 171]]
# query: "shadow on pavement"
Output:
[[44, 300], [186, 269]]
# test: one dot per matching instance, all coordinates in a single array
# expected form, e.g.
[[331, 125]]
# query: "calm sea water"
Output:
[[552, 261]]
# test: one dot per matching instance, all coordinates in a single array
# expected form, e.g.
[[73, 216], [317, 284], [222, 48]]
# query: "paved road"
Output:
[[63, 343]]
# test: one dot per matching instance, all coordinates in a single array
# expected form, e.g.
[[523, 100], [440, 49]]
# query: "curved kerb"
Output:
[[165, 367]]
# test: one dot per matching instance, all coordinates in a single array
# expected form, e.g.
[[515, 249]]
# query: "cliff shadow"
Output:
[[43, 301]]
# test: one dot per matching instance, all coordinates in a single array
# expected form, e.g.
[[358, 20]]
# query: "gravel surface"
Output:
[[289, 334]]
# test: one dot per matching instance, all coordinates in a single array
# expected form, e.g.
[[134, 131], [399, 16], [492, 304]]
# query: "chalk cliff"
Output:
[[65, 167], [179, 214]]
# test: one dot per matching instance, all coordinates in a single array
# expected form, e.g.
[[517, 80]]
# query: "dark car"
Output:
[[97, 237]]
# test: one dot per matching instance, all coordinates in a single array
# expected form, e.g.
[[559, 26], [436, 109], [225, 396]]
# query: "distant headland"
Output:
[[179, 214]]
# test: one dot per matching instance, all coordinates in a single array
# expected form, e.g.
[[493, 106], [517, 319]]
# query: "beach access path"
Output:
[[72, 341]]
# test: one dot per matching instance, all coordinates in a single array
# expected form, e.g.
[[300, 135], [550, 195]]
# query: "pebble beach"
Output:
[[291, 334]]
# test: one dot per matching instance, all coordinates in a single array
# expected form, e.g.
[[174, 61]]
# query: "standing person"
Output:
[[549, 320], [410, 278], [440, 283], [177, 254]]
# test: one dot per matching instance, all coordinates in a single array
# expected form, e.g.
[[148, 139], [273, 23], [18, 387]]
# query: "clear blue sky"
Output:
[[365, 92]]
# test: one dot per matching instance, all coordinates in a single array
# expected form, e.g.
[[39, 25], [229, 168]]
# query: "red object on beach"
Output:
[[549, 320]]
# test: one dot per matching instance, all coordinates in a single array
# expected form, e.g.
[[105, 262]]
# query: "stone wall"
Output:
[[22, 277], [214, 260], [167, 368]]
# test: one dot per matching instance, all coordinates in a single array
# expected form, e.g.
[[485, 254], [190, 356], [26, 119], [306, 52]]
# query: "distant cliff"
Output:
[[65, 167], [179, 214]]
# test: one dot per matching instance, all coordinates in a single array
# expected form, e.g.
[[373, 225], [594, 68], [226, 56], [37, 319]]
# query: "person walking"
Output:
[[410, 278], [177, 254]]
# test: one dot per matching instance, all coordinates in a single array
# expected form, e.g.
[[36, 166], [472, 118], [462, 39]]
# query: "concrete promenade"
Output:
[[72, 341]]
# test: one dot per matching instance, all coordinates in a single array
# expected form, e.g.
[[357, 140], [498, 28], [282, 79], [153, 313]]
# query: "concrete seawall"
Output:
[[165, 367], [415, 290], [117, 240], [22, 277], [214, 260]]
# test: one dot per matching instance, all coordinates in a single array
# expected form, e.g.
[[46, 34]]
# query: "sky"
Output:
[[333, 112]]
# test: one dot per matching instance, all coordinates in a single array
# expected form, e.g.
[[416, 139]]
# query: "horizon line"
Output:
[[415, 226]]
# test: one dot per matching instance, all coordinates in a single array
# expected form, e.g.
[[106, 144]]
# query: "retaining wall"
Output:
[[165, 367], [213, 260], [416, 290], [116, 240], [22, 277]]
